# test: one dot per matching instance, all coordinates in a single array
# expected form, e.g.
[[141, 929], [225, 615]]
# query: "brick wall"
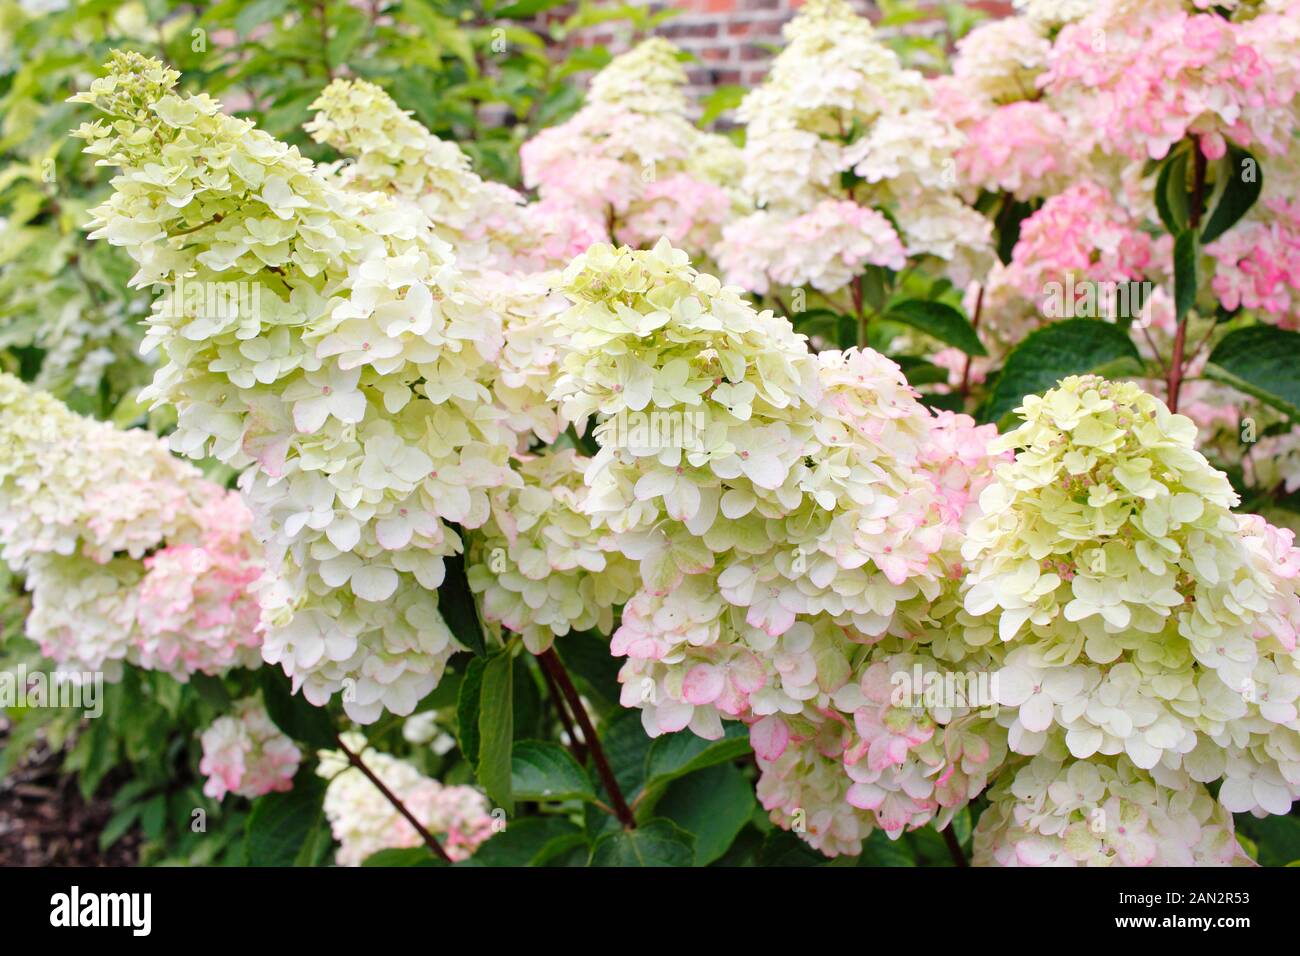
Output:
[[733, 40]]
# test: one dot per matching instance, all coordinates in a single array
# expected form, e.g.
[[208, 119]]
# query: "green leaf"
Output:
[[256, 13], [1171, 193], [540, 770], [212, 690], [531, 841], [1276, 837], [119, 824], [783, 848], [879, 850], [281, 822], [657, 843], [1185, 251], [675, 755], [1242, 180], [722, 98], [1260, 360], [294, 714], [318, 847], [713, 805], [939, 320], [496, 725], [919, 371], [525, 9], [467, 707], [403, 856], [153, 817], [456, 604], [1061, 349]]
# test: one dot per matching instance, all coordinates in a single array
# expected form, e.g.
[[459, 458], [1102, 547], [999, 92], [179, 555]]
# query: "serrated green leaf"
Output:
[[712, 805], [541, 770], [467, 706], [940, 321], [657, 843], [1054, 352], [456, 604], [531, 841], [293, 713], [1242, 181], [1171, 193], [281, 822], [783, 848], [402, 857], [1260, 360], [675, 755], [496, 725], [879, 850]]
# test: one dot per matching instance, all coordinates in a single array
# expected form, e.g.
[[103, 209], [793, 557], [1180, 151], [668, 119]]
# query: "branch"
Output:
[[576, 746], [551, 663], [430, 841]]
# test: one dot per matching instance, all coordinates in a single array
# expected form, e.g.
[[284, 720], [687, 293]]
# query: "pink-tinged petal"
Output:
[[769, 738], [703, 683]]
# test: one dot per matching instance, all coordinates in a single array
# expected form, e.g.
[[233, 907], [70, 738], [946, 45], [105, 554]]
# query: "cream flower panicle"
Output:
[[335, 352], [838, 134]]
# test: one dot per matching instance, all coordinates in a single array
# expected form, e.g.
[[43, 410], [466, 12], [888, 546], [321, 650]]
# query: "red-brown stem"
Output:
[[576, 746], [1177, 363], [974, 324], [954, 847], [552, 663], [429, 839]]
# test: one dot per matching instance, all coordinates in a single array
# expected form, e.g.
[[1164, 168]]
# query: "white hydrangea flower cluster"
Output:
[[109, 529], [244, 753], [542, 568], [1054, 811], [815, 510], [633, 159], [1137, 615], [503, 247], [487, 223], [839, 125], [348, 377], [364, 822], [1000, 60]]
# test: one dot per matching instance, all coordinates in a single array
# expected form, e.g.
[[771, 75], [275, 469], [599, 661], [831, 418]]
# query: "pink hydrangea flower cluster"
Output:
[[1021, 148], [1080, 240], [1257, 263], [364, 822], [1149, 75], [244, 753], [195, 610], [130, 554], [632, 159]]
